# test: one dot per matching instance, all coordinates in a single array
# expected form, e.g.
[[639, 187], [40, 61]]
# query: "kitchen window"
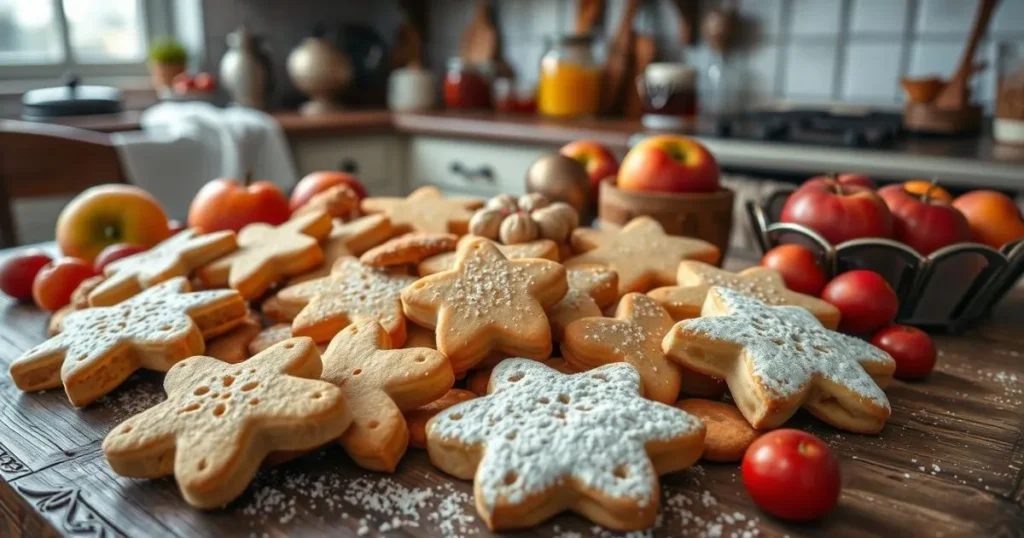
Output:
[[45, 38]]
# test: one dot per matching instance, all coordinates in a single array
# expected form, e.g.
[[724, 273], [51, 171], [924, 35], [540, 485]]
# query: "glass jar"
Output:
[[570, 78], [466, 87]]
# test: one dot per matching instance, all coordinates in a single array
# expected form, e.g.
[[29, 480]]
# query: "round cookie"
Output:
[[727, 435]]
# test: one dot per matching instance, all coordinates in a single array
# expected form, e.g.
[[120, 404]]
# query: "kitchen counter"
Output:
[[961, 161]]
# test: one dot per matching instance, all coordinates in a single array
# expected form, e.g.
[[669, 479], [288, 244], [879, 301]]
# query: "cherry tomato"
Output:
[[56, 282], [865, 300], [798, 266], [116, 252], [911, 348], [792, 475], [17, 273]]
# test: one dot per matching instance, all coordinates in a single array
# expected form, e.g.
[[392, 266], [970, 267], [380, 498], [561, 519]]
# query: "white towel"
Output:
[[183, 145]]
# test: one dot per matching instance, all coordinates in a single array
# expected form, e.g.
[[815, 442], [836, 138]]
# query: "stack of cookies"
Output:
[[562, 369]]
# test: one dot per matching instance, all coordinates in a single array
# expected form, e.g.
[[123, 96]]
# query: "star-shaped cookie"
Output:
[[100, 347], [349, 239], [487, 303], [590, 290], [425, 210], [353, 293], [220, 421], [642, 254], [540, 248], [694, 279], [381, 382], [634, 336], [543, 442], [779, 358], [178, 255], [268, 254]]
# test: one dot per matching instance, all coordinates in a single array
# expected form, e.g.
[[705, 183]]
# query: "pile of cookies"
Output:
[[562, 372]]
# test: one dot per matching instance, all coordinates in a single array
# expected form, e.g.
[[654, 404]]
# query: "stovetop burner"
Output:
[[870, 130]]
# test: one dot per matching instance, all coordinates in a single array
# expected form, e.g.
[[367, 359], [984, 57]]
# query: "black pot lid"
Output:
[[71, 99]]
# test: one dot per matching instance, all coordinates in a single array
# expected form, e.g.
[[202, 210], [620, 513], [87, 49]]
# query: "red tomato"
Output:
[[911, 348], [17, 273], [792, 475], [865, 301], [798, 266], [54, 284], [116, 252]]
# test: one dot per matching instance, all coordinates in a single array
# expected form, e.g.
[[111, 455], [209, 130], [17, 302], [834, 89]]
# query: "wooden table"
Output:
[[949, 463]]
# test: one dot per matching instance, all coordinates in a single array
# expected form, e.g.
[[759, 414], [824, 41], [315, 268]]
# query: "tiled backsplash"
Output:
[[807, 50]]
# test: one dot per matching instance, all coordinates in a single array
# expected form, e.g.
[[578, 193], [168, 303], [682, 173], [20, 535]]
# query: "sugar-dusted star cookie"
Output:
[[634, 336], [591, 289], [541, 248], [642, 254], [487, 303], [478, 378], [221, 420], [100, 347], [417, 418], [349, 239], [233, 346], [178, 255], [425, 210], [381, 382], [353, 293], [543, 442], [268, 254], [694, 279], [779, 358]]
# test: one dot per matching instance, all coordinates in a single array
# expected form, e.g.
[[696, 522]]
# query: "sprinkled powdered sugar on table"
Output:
[[125, 403], [540, 427], [788, 346]]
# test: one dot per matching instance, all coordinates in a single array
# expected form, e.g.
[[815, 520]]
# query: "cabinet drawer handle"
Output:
[[349, 166], [483, 173]]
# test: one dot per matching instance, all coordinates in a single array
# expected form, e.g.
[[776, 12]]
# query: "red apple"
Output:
[[203, 82], [866, 302], [226, 204], [598, 160], [857, 180], [182, 83], [318, 182], [923, 223], [669, 163], [838, 212]]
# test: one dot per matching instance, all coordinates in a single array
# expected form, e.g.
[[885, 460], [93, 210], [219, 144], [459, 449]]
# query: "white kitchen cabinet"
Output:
[[468, 167], [376, 159]]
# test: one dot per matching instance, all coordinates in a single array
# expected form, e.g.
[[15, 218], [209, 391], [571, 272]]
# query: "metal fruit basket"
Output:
[[947, 290]]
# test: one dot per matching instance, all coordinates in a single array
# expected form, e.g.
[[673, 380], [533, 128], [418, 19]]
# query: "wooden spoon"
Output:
[[587, 14], [480, 40], [617, 65], [954, 94]]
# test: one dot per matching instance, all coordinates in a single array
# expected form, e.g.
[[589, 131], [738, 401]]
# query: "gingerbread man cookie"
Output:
[[268, 254], [178, 255], [543, 442], [779, 358], [425, 210], [634, 336], [353, 293], [409, 248], [541, 248], [642, 254], [590, 290], [381, 382], [220, 421], [694, 279], [100, 347], [349, 239], [488, 303]]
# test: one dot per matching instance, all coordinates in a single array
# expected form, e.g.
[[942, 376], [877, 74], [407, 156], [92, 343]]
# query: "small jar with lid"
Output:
[[570, 78], [467, 86]]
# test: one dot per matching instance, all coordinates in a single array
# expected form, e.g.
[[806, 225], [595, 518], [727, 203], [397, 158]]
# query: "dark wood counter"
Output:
[[948, 463]]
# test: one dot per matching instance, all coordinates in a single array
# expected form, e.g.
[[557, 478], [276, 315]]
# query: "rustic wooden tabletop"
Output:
[[949, 463]]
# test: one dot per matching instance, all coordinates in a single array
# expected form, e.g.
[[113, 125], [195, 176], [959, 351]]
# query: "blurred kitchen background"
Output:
[[779, 90]]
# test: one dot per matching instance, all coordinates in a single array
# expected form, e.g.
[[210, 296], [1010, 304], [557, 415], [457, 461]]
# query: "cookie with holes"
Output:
[[220, 421], [417, 418], [542, 442], [634, 336], [487, 303], [380, 382], [777, 359], [98, 348], [352, 293]]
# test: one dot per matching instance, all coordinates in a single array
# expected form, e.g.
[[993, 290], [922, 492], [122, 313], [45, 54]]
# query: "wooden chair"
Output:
[[40, 159]]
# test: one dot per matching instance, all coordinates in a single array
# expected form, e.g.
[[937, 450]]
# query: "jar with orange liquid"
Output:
[[570, 79]]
